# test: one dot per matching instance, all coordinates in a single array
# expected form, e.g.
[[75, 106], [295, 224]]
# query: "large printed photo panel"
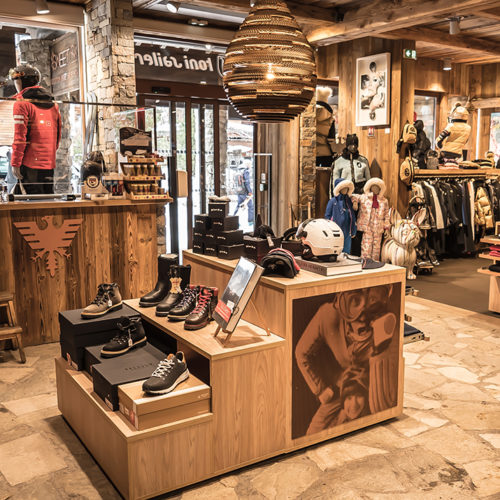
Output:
[[345, 357]]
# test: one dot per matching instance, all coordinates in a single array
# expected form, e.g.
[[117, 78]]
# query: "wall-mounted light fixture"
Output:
[[42, 7]]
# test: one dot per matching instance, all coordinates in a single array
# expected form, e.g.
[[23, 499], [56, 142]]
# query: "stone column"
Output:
[[307, 158], [110, 66]]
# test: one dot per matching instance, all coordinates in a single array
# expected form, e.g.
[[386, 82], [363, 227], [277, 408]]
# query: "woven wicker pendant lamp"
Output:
[[270, 68]]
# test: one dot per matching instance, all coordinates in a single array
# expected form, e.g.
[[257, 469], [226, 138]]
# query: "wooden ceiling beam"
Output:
[[490, 14], [382, 16], [437, 37], [302, 12]]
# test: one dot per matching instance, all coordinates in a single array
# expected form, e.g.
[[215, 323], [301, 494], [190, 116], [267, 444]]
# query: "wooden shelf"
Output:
[[491, 240], [488, 272], [153, 197], [246, 338], [488, 256], [455, 172], [143, 178]]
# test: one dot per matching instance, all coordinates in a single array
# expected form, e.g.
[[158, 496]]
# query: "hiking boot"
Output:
[[179, 279], [187, 303], [169, 373], [108, 299], [202, 313], [163, 284], [131, 335]]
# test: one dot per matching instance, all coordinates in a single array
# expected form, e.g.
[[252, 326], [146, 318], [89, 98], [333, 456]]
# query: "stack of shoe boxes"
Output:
[[217, 234]]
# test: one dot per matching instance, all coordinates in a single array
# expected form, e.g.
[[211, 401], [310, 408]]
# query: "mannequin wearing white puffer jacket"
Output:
[[453, 139]]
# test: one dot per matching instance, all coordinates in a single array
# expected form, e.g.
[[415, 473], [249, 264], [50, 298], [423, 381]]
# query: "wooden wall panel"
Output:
[[282, 141]]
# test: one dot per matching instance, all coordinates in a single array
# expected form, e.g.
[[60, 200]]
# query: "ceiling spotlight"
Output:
[[454, 25], [172, 7], [447, 64], [208, 46], [42, 7], [198, 22]]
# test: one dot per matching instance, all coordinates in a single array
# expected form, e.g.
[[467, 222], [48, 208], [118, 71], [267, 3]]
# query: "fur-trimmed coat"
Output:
[[380, 222]]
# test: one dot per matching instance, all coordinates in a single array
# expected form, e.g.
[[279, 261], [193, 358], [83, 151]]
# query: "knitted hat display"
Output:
[[375, 181], [341, 184]]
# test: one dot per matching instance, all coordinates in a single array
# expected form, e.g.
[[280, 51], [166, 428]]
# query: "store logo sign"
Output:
[[49, 241]]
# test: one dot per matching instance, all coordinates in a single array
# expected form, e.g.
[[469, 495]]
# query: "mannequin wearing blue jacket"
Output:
[[341, 211]]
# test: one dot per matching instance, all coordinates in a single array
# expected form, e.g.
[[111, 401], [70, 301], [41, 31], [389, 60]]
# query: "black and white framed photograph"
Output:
[[346, 357], [373, 90]]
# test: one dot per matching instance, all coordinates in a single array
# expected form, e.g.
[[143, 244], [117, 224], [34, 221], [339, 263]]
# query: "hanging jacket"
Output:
[[454, 137], [483, 214], [37, 130]]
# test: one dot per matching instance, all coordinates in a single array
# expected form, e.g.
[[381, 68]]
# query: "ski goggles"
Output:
[[14, 75], [353, 303]]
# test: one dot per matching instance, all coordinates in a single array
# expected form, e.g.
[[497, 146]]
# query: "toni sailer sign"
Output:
[[177, 65]]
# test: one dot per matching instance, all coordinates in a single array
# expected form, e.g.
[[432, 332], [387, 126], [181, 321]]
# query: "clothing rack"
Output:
[[482, 173]]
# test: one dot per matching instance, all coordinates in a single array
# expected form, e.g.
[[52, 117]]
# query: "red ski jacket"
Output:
[[37, 129]]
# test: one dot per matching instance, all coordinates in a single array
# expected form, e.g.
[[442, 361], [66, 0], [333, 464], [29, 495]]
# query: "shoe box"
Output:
[[133, 366], [229, 223], [218, 209], [229, 237], [198, 247], [189, 399], [292, 246], [257, 248], [202, 223], [211, 250], [77, 333], [230, 252]]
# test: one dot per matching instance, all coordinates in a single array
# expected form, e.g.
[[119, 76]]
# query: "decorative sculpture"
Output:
[[270, 68]]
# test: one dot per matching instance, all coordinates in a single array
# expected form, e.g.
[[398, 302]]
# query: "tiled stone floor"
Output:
[[446, 445]]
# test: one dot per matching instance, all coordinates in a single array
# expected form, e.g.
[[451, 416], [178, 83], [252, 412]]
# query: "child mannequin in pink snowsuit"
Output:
[[373, 217]]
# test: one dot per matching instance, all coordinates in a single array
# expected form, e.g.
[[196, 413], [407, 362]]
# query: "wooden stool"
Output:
[[11, 330]]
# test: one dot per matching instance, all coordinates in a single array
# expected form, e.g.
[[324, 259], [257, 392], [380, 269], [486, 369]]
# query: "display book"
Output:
[[129, 373], [344, 265], [236, 296]]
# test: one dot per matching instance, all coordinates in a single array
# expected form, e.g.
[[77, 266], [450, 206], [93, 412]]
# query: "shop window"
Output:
[[237, 165], [425, 110], [328, 92], [495, 135], [55, 54]]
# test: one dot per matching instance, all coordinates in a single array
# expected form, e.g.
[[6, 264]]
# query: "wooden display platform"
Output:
[[256, 411], [494, 294]]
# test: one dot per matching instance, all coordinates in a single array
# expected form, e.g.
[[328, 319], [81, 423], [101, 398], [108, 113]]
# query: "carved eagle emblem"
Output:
[[49, 240]]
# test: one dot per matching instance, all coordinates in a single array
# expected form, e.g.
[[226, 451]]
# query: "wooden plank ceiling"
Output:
[[326, 22]]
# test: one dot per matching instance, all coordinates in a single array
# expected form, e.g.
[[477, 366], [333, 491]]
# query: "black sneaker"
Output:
[[168, 375], [188, 302], [131, 336]]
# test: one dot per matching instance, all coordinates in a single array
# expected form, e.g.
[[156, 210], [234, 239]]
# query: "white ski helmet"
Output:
[[321, 238]]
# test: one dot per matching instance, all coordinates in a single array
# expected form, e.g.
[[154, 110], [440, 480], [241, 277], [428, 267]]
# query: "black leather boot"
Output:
[[202, 313], [179, 279], [188, 302], [162, 287]]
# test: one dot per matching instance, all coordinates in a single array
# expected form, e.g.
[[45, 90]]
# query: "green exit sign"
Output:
[[410, 54]]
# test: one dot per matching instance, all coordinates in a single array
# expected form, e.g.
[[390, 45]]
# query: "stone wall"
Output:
[[110, 66], [36, 52], [307, 158]]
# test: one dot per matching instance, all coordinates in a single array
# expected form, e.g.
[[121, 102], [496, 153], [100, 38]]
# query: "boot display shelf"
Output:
[[251, 384]]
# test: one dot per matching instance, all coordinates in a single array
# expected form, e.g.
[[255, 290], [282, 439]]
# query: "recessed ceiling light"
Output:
[[42, 7], [172, 7]]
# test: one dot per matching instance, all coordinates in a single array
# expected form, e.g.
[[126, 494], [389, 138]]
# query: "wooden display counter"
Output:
[[317, 376], [54, 254], [494, 295]]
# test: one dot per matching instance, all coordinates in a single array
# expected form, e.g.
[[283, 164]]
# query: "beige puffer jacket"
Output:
[[455, 137], [483, 213]]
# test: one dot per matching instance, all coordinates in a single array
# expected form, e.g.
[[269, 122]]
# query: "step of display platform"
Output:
[[488, 256], [246, 338], [491, 240]]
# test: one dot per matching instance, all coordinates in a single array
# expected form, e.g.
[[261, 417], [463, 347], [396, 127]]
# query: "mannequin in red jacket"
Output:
[[37, 132]]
